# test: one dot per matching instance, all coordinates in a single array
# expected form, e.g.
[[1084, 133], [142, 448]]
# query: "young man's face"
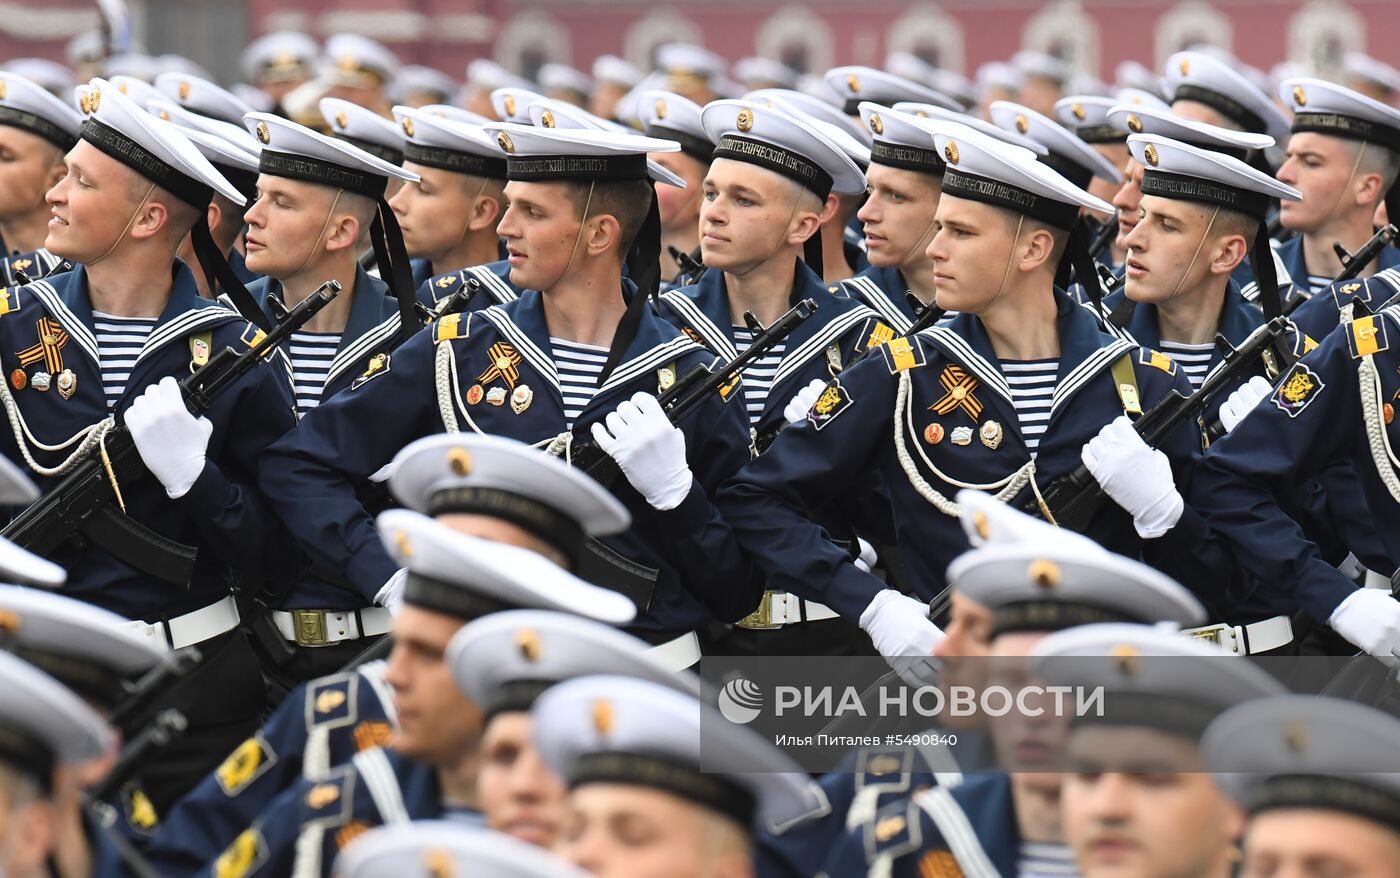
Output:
[[437, 724], [971, 251], [680, 208], [898, 215], [541, 228], [27, 168], [1137, 803], [1170, 250], [747, 215], [1323, 168], [516, 791], [91, 205], [433, 213], [1126, 202], [1301, 843], [286, 225], [624, 831]]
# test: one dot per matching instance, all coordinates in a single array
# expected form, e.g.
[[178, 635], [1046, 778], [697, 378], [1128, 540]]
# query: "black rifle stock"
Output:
[[1072, 500], [681, 399], [93, 485]]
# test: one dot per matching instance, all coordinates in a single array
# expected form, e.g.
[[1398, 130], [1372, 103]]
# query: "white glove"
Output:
[[899, 627], [390, 594], [1243, 400], [1370, 619], [648, 448], [801, 404], [1137, 477], [868, 557], [171, 441]]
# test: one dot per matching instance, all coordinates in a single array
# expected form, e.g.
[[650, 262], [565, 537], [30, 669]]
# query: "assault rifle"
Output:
[[1354, 263], [1072, 500], [80, 507]]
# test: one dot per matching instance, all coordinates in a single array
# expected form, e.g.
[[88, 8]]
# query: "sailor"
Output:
[[1043, 79], [564, 83], [36, 128], [691, 71], [360, 69], [278, 62], [544, 369], [483, 486], [1206, 88], [612, 78], [203, 97], [671, 117], [419, 86], [485, 76]]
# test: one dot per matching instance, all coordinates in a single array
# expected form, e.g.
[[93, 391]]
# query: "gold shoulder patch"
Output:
[[446, 281], [351, 831], [244, 765], [1367, 336], [139, 809], [449, 327], [247, 852], [9, 300], [901, 353], [322, 796], [879, 335], [252, 336], [377, 365], [939, 864], [1309, 343], [1157, 360], [372, 733]]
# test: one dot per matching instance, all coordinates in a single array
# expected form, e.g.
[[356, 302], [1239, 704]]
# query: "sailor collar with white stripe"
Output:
[[1074, 159], [366, 327], [878, 287], [440, 142]]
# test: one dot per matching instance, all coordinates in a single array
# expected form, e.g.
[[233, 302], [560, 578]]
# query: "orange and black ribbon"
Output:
[[959, 387], [52, 338], [504, 363]]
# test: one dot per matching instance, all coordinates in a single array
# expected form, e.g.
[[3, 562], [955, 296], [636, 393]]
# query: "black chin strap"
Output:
[[644, 268], [1261, 257], [387, 240], [1392, 204], [812, 253], [1077, 263], [218, 275]]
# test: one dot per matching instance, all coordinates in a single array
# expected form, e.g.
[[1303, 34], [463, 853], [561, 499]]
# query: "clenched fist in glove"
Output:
[[802, 402], [1243, 400], [1137, 477], [171, 441], [648, 448], [899, 627], [1370, 619]]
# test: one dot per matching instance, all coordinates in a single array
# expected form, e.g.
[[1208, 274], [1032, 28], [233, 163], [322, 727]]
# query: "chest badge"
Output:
[[990, 434], [496, 396], [67, 383], [520, 398], [505, 365], [958, 393], [961, 436], [833, 401]]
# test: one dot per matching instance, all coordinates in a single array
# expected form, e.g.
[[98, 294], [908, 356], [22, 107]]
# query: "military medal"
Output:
[[962, 436], [67, 384], [1388, 412], [990, 434], [18, 379], [41, 380], [496, 396], [474, 394], [521, 397], [933, 434]]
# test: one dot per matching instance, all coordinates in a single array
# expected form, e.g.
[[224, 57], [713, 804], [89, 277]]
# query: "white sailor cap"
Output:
[[618, 730], [669, 116], [1135, 119], [900, 140], [23, 566], [999, 74], [1327, 108], [1085, 84], [416, 79], [768, 72], [783, 143], [357, 60], [1074, 159], [278, 57], [856, 84], [556, 113], [28, 106], [252, 96], [512, 104], [815, 87], [44, 725], [1137, 97], [1206, 79], [135, 65], [908, 65], [1151, 678], [687, 60], [88, 649], [1287, 70], [155, 149], [855, 148], [235, 135], [981, 126], [555, 77], [468, 577], [1357, 66], [203, 97], [1308, 752], [489, 76], [1035, 576], [455, 114], [612, 69], [172, 63], [51, 76], [1172, 169], [295, 151], [627, 111], [1042, 65], [233, 153], [954, 85], [1136, 75], [606, 155], [505, 661], [443, 848], [86, 47], [438, 141], [139, 90], [492, 475], [828, 111], [364, 129], [1087, 117]]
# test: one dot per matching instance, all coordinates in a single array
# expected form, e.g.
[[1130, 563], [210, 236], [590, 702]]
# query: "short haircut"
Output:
[[1378, 159], [627, 201], [1233, 222]]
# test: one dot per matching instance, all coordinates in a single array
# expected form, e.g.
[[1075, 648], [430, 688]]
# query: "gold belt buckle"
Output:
[[762, 618], [310, 627], [1211, 633]]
